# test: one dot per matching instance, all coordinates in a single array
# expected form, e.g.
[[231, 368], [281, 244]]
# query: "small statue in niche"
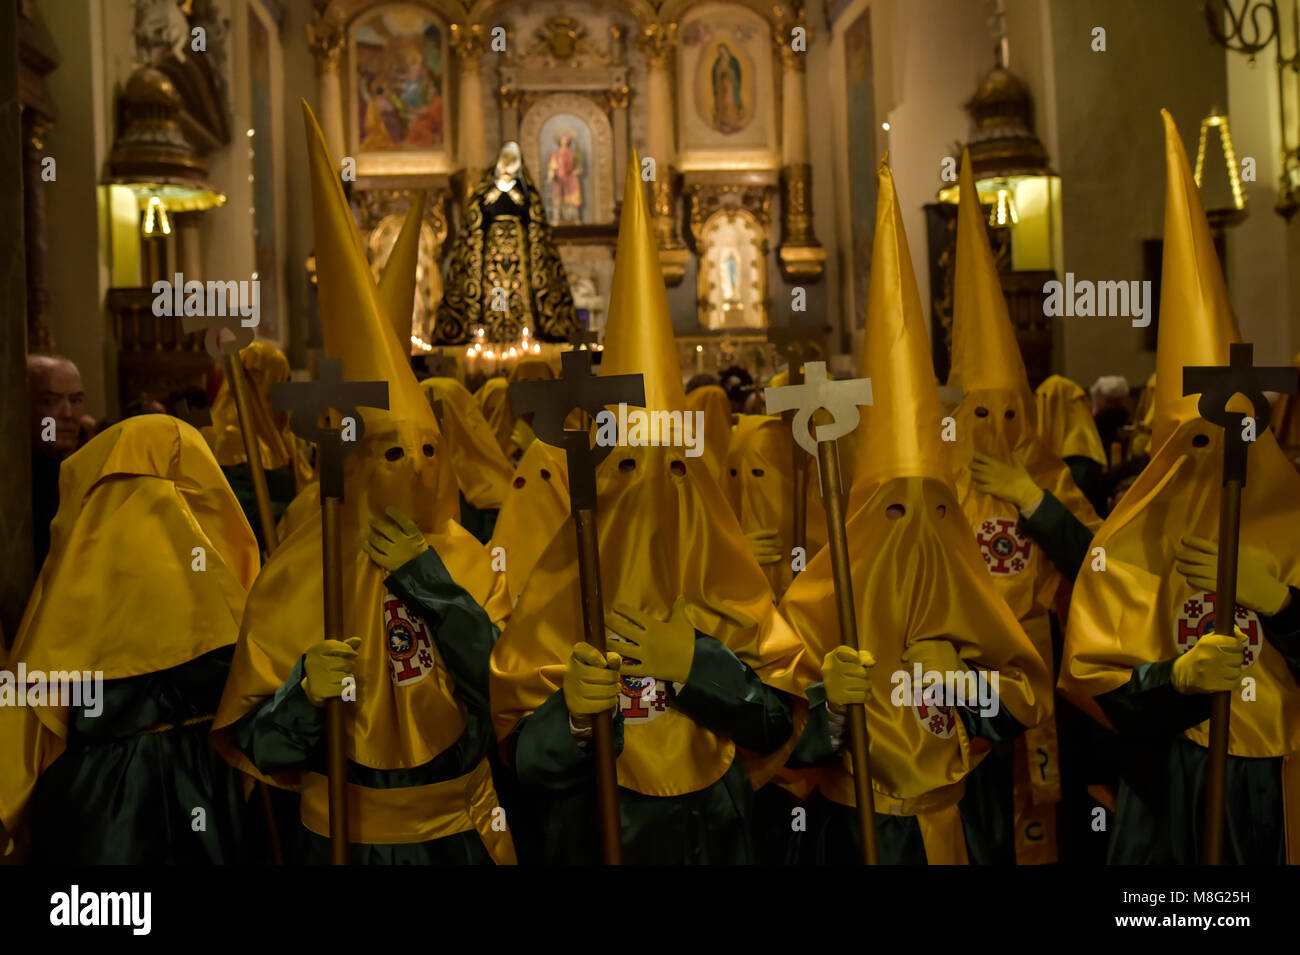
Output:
[[505, 272]]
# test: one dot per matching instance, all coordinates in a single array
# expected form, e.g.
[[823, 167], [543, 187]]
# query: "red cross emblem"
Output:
[[1196, 618], [941, 721], [1005, 549], [410, 651], [641, 698]]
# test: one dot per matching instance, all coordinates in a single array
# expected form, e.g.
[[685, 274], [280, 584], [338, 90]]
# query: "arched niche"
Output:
[[732, 273]]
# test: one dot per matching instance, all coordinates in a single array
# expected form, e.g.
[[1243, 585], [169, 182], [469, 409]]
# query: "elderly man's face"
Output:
[[57, 393]]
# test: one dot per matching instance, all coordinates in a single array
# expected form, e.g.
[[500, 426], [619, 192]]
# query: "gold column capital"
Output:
[[656, 42], [325, 40], [468, 43], [791, 59]]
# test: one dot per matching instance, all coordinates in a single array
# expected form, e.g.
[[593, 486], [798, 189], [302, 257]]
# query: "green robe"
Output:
[[1162, 782], [279, 486], [123, 794], [708, 827], [833, 835], [287, 732], [480, 523]]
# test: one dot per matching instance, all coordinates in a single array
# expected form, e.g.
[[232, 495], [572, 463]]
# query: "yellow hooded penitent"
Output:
[[121, 591], [264, 366], [916, 570], [482, 471], [1141, 610], [664, 530], [997, 416], [1065, 420], [397, 282], [406, 712], [713, 402]]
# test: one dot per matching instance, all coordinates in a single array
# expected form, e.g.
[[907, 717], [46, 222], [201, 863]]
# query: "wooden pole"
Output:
[[593, 623], [252, 450], [1225, 607], [828, 458], [336, 730]]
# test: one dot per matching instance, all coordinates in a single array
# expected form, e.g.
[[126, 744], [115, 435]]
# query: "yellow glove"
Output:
[[766, 545], [1213, 664], [846, 675], [1197, 559], [325, 665], [522, 434], [394, 543], [937, 655], [590, 681], [1006, 482], [663, 650]]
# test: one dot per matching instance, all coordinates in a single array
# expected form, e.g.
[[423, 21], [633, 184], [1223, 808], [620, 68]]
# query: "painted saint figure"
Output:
[[729, 114], [564, 172]]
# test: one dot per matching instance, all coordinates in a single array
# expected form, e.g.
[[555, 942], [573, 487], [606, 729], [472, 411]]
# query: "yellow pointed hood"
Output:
[[639, 332], [900, 432], [354, 324], [1192, 288], [397, 282], [985, 354], [1065, 421]]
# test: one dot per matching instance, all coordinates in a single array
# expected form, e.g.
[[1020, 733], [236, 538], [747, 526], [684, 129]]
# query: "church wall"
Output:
[[1263, 251], [1109, 149], [95, 49]]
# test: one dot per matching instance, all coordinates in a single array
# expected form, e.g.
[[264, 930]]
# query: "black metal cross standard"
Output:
[[309, 400], [552, 400]]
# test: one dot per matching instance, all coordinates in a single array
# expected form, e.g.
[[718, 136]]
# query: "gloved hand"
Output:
[[937, 655], [1006, 482], [325, 665], [1197, 559], [590, 681], [396, 542], [846, 676], [766, 545], [522, 434], [1213, 664], [663, 650]]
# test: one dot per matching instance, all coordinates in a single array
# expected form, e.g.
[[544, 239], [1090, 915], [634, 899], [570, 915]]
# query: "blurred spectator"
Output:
[[58, 399]]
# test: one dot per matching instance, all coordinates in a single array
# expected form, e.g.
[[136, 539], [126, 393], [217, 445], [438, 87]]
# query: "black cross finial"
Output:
[[1216, 384], [551, 401], [307, 401]]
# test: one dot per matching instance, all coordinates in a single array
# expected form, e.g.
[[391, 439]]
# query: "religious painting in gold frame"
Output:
[[726, 118], [568, 146], [732, 283], [398, 108]]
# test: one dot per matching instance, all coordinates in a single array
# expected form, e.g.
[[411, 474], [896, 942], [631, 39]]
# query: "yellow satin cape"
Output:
[[390, 726], [123, 591], [482, 470], [264, 366], [1065, 421], [916, 577], [760, 486], [664, 530], [1130, 614]]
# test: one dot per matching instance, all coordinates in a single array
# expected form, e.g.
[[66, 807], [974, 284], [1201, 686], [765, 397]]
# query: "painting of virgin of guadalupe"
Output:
[[398, 80], [730, 112], [725, 70]]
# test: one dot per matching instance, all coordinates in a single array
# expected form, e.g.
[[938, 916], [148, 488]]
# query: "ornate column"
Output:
[[656, 43], [801, 255], [468, 45], [35, 126], [619, 117], [510, 99], [325, 38]]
